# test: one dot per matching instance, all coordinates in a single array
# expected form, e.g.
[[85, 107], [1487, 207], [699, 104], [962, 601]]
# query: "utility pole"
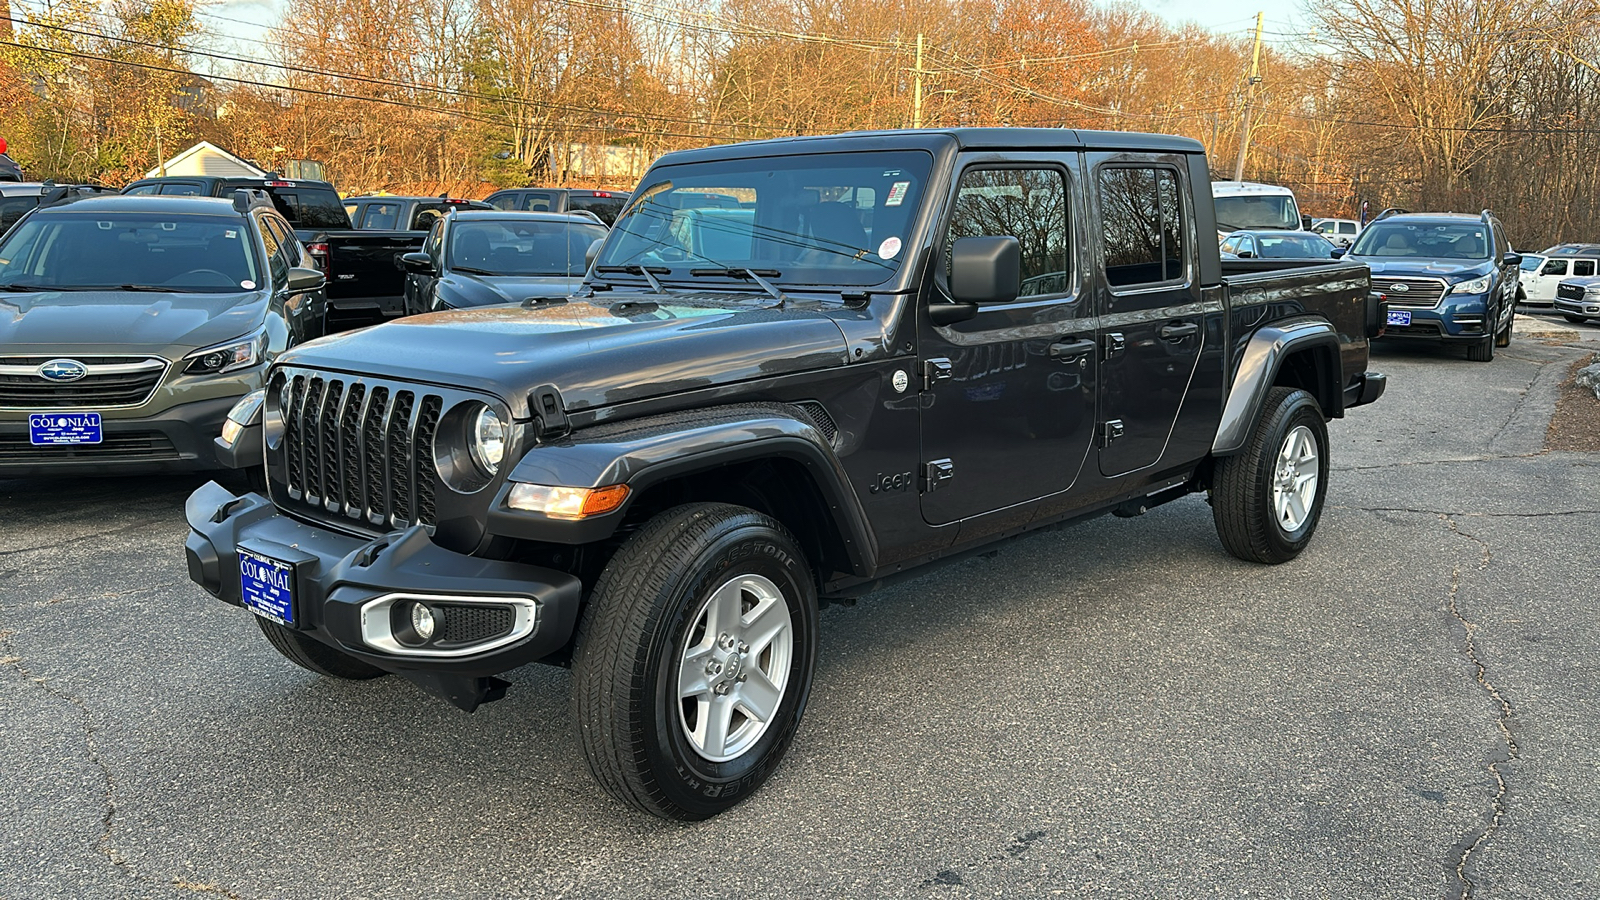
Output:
[[916, 95], [1249, 101]]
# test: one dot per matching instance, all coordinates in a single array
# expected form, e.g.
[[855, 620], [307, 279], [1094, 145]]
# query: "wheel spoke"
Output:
[[1297, 511], [759, 696], [723, 612], [766, 621], [692, 679], [712, 728]]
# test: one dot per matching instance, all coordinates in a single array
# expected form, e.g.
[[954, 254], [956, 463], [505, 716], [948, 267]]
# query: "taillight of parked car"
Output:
[[319, 255]]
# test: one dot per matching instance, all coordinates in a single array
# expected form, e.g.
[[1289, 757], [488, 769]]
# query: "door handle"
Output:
[[1177, 333], [1070, 352]]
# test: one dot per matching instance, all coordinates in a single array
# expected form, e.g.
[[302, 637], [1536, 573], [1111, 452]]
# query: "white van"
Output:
[[1250, 204], [1538, 286], [1342, 232]]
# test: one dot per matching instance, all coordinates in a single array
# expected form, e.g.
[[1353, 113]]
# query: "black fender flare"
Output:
[[1263, 356], [648, 451]]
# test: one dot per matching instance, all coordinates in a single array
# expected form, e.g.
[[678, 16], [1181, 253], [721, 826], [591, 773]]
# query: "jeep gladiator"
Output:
[[915, 345]]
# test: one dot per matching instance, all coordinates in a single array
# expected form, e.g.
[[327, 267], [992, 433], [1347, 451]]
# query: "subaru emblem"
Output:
[[63, 370], [1399, 288]]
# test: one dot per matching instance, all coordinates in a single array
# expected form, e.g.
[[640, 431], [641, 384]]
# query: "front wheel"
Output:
[[1266, 499], [1576, 320], [1502, 338], [694, 660]]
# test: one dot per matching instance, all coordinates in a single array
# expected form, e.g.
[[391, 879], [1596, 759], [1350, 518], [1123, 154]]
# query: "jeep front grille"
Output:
[[358, 448], [1418, 293], [109, 382]]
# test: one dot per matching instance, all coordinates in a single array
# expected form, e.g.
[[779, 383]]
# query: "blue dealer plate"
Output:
[[1399, 317], [63, 428], [267, 587]]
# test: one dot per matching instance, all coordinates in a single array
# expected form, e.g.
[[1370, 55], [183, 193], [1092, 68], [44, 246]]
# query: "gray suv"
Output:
[[133, 324]]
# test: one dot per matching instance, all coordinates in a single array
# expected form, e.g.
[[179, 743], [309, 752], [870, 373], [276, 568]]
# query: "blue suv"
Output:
[[1449, 277]]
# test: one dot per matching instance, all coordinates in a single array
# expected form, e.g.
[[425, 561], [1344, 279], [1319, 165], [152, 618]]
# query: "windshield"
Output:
[[108, 250], [1429, 240], [1531, 263], [834, 219], [1257, 211], [1293, 246], [513, 247]]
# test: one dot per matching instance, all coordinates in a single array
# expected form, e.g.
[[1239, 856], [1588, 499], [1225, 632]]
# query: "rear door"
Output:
[[1008, 402], [1149, 302]]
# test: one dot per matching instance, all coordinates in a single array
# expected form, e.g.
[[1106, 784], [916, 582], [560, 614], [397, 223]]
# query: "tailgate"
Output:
[[366, 264]]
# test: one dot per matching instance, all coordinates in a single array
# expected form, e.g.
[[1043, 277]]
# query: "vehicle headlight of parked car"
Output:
[[1477, 285], [488, 440], [241, 353]]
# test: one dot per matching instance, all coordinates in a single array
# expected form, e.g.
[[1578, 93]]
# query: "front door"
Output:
[[1152, 322], [1008, 395]]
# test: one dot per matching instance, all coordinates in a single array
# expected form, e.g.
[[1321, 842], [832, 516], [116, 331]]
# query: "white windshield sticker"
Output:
[[248, 285], [897, 193], [890, 248], [230, 233]]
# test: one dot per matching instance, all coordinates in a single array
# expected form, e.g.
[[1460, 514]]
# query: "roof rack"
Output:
[[1391, 211], [244, 199]]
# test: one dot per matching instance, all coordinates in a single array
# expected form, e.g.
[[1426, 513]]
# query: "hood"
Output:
[[125, 322], [1448, 269], [596, 354], [464, 291]]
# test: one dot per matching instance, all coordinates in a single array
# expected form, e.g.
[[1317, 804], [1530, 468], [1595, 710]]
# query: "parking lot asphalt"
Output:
[[1117, 709]]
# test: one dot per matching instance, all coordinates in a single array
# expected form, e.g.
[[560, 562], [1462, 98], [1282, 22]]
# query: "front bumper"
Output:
[[339, 579], [1457, 319], [1588, 306], [177, 439]]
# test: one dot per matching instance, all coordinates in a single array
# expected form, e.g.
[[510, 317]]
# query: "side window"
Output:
[[1583, 267], [539, 201], [352, 210], [293, 254], [273, 244], [1554, 267], [504, 201], [1347, 228], [435, 243], [1231, 245], [143, 189], [425, 216], [1028, 204], [182, 188], [1143, 226]]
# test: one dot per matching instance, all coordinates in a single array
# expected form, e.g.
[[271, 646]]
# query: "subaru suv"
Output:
[[1449, 277], [130, 325]]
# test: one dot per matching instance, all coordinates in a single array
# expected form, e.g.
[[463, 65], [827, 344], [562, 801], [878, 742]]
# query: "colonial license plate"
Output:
[[267, 586], [64, 428], [1399, 317]]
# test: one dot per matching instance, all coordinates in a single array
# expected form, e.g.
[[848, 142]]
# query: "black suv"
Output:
[[134, 324], [605, 204], [1449, 277], [310, 206]]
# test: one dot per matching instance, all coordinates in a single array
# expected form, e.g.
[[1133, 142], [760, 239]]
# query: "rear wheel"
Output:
[[1574, 319], [694, 660], [1266, 499], [309, 653]]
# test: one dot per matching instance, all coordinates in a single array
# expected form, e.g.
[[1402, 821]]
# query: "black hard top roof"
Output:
[[1024, 139]]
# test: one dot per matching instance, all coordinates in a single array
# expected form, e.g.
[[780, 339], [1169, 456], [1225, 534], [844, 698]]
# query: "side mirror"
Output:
[[1339, 252], [417, 263], [1305, 223], [986, 269], [1512, 259], [304, 281], [1245, 254], [593, 253]]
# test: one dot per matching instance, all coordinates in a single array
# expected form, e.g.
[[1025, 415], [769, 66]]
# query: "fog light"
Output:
[[424, 621], [230, 432]]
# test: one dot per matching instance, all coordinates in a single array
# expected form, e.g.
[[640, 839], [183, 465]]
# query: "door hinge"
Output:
[[935, 370], [936, 473], [1115, 344], [1110, 431]]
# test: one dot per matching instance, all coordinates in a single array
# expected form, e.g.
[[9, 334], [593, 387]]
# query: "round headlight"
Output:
[[488, 440]]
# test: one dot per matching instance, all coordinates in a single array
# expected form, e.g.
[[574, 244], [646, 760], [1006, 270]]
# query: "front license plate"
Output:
[[64, 428], [267, 586], [1399, 317]]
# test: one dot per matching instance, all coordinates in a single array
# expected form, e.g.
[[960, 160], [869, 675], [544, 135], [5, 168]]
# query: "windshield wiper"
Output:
[[151, 288], [751, 274], [22, 288], [649, 273], [471, 271]]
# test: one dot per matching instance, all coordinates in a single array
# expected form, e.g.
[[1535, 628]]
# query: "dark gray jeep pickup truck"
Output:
[[893, 349]]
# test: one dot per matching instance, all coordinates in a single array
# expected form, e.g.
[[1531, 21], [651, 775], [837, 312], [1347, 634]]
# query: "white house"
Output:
[[206, 158]]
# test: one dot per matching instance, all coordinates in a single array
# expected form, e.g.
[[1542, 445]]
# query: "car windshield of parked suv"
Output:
[[528, 248], [835, 219], [1298, 245], [81, 251], [1531, 262], [1429, 240], [1257, 211]]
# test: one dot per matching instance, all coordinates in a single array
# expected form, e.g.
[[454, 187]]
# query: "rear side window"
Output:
[[1555, 267], [539, 201], [14, 208], [380, 217], [503, 201], [182, 189], [1143, 225], [1583, 267], [1028, 204], [1347, 228], [142, 189]]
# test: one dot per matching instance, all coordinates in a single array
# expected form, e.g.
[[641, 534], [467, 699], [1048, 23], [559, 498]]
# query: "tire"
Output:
[[1256, 520], [309, 653], [1482, 350], [1502, 338], [1576, 320], [650, 621]]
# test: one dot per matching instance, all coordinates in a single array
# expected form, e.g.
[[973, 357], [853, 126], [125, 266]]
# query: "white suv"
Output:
[[1342, 232], [1560, 261]]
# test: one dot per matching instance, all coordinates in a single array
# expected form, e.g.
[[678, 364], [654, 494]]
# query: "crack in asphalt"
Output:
[[1501, 759], [1444, 462], [10, 658], [1470, 515], [112, 595], [143, 523]]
